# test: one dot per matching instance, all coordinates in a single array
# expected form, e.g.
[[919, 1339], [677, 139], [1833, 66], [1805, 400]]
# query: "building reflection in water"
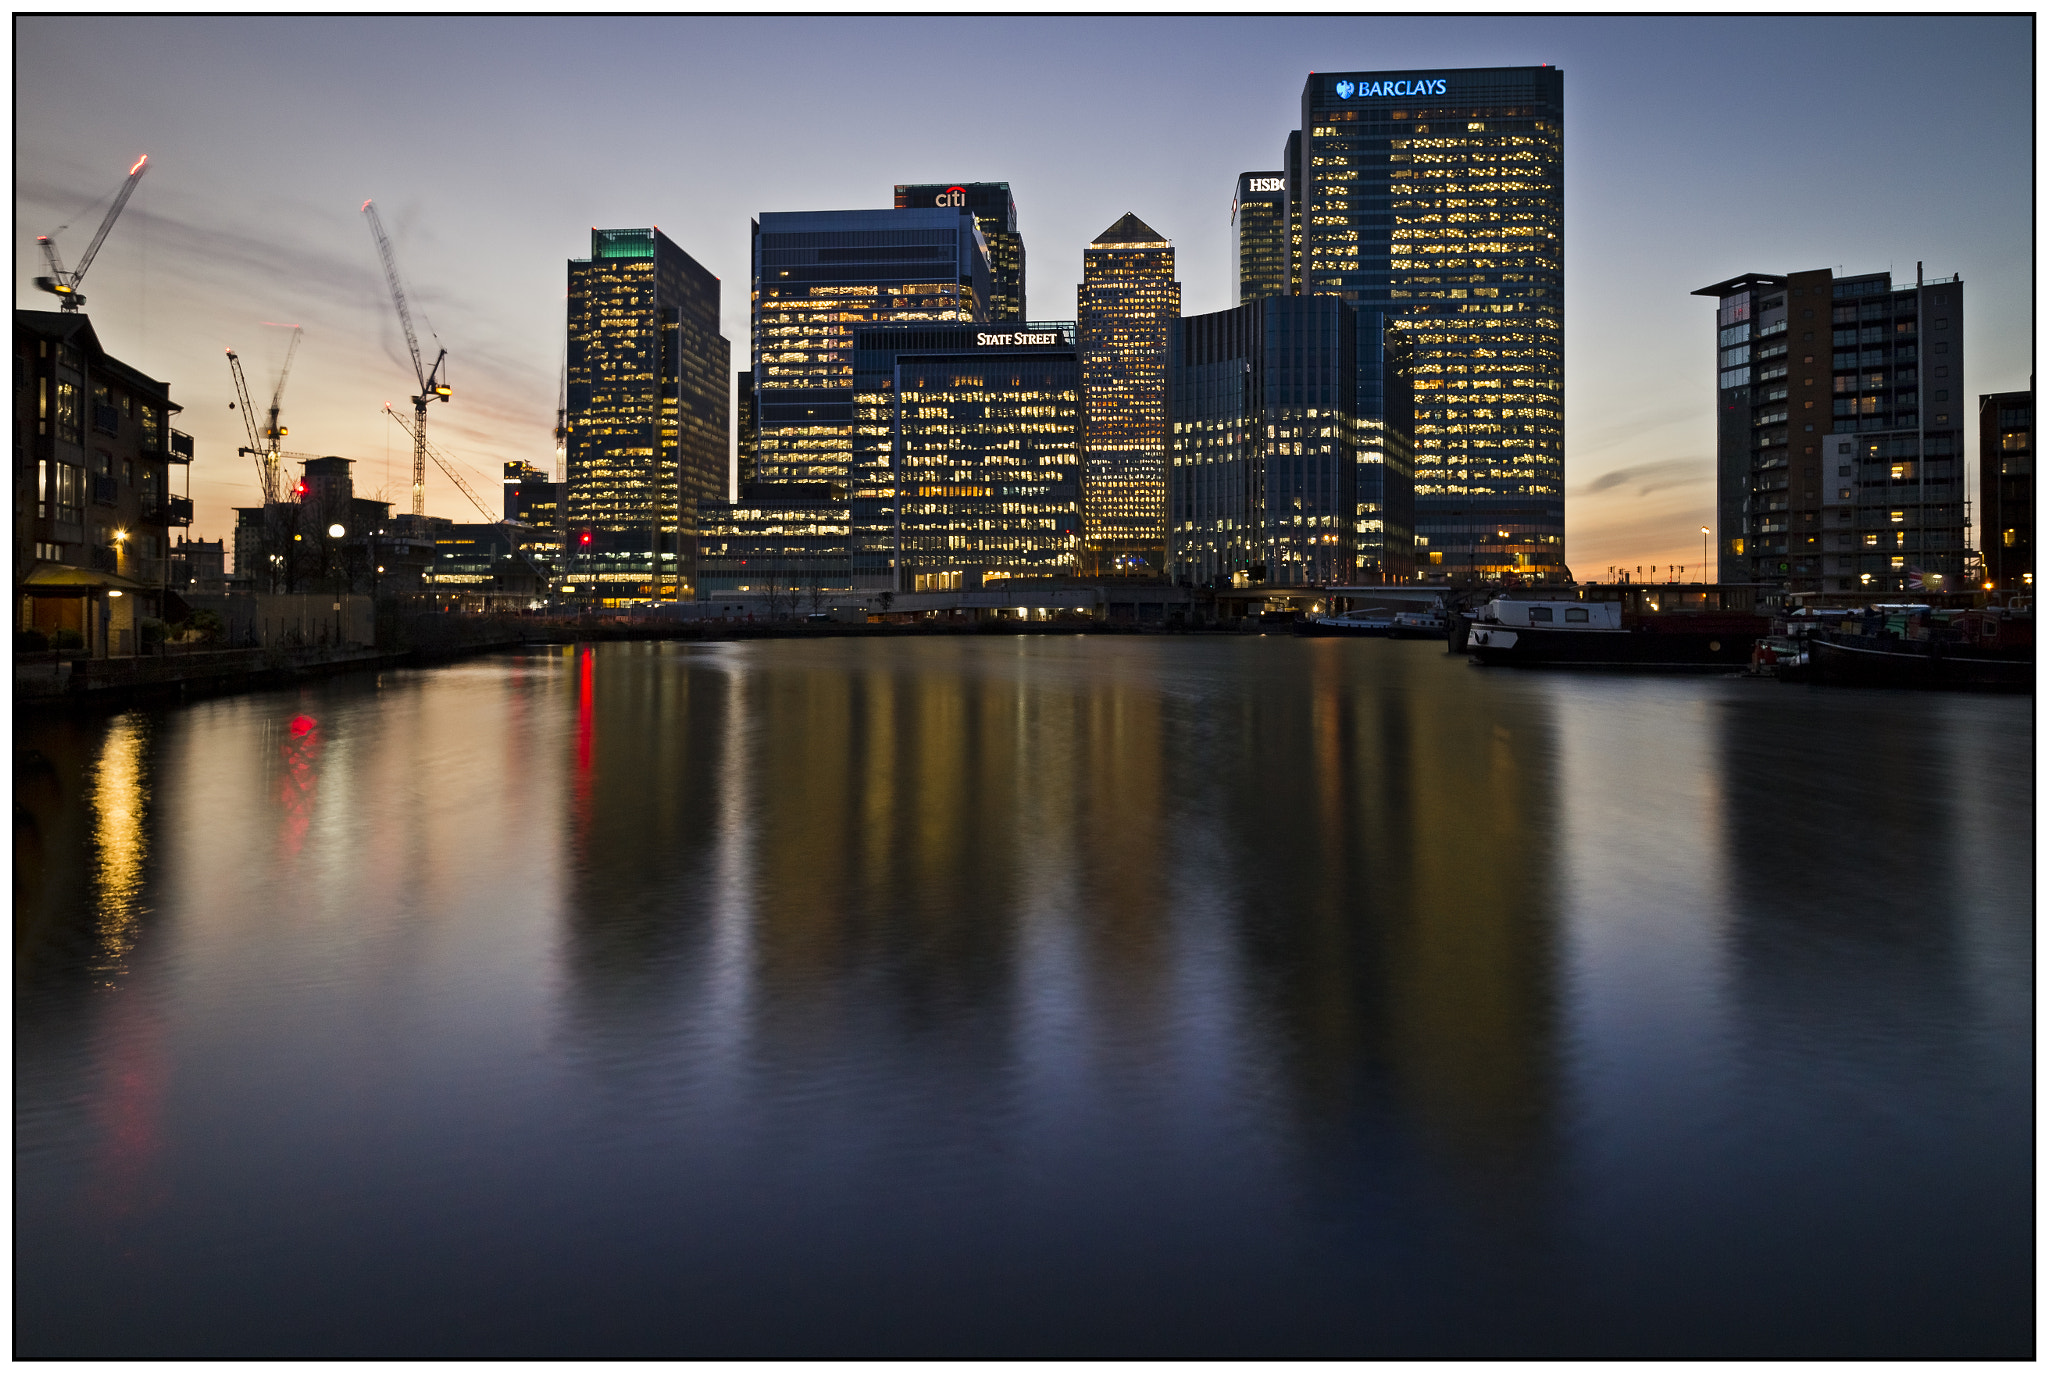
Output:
[[1396, 837], [1050, 865]]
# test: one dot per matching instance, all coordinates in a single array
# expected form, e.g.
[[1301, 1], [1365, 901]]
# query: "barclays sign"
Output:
[[1418, 86]]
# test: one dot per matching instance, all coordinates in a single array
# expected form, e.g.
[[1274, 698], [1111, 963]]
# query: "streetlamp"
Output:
[[337, 532], [1705, 560]]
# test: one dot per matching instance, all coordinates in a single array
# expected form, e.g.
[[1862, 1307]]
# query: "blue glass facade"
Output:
[[1290, 460], [1437, 196]]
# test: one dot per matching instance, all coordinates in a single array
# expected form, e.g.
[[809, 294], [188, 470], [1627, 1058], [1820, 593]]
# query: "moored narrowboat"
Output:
[[1669, 626]]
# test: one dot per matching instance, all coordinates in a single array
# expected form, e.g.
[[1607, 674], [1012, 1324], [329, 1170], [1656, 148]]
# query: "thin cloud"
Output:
[[1650, 477]]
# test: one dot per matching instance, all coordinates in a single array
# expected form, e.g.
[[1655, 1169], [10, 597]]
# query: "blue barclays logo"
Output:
[[1419, 86]]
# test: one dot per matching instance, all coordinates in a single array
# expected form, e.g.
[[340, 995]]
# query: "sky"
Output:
[[1695, 149]]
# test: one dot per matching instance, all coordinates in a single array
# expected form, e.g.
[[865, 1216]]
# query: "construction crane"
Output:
[[266, 470], [433, 386], [420, 445], [264, 444], [63, 284]]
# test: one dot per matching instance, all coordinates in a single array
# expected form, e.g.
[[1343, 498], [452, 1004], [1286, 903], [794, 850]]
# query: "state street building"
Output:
[[987, 443], [966, 474], [1437, 197], [649, 414]]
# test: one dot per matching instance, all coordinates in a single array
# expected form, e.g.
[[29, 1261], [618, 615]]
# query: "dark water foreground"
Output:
[[1026, 996]]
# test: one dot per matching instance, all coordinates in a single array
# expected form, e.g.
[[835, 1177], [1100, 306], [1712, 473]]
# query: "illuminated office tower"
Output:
[[1290, 159], [1127, 304], [1258, 224], [1290, 446], [649, 414], [747, 449], [1438, 197], [995, 211], [820, 276], [987, 443]]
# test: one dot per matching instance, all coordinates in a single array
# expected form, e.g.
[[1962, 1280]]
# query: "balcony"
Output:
[[102, 559], [177, 510], [106, 419], [105, 490], [181, 447]]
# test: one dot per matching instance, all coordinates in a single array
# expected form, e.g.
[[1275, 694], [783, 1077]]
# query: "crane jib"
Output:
[[65, 284]]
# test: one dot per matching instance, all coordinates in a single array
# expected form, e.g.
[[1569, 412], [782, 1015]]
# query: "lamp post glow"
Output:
[[1705, 560], [335, 531]]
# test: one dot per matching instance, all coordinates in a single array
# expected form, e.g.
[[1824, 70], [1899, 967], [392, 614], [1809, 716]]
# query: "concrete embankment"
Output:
[[58, 680]]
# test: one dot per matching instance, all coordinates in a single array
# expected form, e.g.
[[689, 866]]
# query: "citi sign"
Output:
[[952, 195], [1362, 89]]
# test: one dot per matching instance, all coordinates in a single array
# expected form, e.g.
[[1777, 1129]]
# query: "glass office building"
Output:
[[1437, 196], [987, 448], [746, 449], [1128, 302], [1290, 159], [1258, 227], [819, 277], [1839, 432], [1290, 453], [648, 413], [786, 540], [995, 211]]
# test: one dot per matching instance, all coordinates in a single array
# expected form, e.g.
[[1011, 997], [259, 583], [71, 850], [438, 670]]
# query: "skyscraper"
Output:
[[649, 413], [820, 276], [1290, 159], [1839, 408], [1438, 197], [1128, 302], [1290, 451], [1258, 224], [988, 461], [995, 211]]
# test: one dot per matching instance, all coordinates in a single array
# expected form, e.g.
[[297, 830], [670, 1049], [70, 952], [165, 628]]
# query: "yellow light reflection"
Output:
[[120, 845]]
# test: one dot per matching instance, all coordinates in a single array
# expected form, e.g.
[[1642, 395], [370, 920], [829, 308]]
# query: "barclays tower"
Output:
[[1437, 197]]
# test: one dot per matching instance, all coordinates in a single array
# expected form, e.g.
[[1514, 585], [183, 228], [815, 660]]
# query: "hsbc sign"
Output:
[[1266, 183]]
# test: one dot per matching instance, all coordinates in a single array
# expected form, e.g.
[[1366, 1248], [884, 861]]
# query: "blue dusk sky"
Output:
[[1695, 149]]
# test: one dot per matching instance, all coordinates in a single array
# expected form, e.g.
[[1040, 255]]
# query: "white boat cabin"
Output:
[[1554, 614]]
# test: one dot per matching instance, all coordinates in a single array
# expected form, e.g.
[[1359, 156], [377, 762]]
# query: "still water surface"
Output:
[[1031, 996]]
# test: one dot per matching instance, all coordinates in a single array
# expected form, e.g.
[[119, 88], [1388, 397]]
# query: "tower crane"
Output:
[[265, 444], [433, 385], [420, 445], [266, 474], [63, 284]]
